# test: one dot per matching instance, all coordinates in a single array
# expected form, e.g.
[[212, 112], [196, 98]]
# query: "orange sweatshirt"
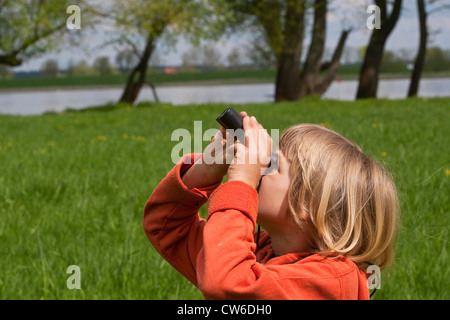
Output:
[[219, 255]]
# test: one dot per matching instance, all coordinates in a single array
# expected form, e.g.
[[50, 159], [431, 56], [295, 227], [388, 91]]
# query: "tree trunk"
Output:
[[288, 79], [368, 79], [369, 75], [288, 69], [291, 85], [312, 83], [311, 69], [333, 66], [10, 60], [420, 60], [137, 77]]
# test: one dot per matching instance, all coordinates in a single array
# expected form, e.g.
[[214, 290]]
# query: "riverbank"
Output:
[[194, 79], [73, 185], [39, 101], [190, 83]]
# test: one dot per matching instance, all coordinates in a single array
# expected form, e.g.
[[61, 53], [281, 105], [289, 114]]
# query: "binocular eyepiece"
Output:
[[231, 119]]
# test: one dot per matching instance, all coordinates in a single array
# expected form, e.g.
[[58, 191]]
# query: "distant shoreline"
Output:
[[197, 83]]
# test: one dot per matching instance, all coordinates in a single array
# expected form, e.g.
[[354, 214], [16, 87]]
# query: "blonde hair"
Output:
[[350, 200]]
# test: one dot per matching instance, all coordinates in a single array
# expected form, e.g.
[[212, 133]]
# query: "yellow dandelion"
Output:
[[447, 172], [384, 154], [374, 125], [141, 139], [125, 136], [84, 171], [102, 138], [8, 145], [42, 151]]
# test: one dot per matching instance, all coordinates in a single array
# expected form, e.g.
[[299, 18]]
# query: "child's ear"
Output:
[[304, 217]]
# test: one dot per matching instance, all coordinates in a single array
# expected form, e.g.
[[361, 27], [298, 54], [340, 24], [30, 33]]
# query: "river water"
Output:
[[40, 101]]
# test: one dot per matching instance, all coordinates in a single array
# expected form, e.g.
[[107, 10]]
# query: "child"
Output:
[[328, 213]]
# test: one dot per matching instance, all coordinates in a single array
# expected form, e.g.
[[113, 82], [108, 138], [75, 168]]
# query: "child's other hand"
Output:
[[218, 155], [213, 165], [254, 156]]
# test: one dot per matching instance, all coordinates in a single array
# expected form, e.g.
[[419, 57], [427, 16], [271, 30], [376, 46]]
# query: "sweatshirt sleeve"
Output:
[[227, 266], [171, 220]]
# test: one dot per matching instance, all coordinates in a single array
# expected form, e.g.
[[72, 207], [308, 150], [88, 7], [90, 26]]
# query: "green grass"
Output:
[[73, 186]]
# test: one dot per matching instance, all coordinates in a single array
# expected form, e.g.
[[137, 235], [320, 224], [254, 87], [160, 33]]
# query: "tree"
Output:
[[102, 66], [191, 58], [142, 24], [311, 83], [50, 68], [260, 53], [234, 58], [392, 62], [420, 60], [369, 73], [29, 28], [5, 72], [125, 60], [424, 35], [437, 59], [81, 69], [211, 57], [284, 24]]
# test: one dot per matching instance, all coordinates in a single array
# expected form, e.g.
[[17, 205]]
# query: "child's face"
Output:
[[273, 195]]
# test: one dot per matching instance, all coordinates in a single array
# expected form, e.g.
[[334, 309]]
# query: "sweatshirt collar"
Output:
[[287, 258]]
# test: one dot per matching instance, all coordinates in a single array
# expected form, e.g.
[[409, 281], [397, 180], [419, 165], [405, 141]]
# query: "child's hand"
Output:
[[255, 155], [218, 155], [213, 165]]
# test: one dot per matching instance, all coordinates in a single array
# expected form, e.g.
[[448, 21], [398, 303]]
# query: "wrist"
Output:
[[201, 175], [251, 182]]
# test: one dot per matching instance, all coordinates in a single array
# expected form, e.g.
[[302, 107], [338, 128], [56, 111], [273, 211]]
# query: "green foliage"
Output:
[[81, 69], [50, 68], [5, 72], [84, 75], [393, 63], [103, 67], [437, 59], [73, 187], [29, 28], [139, 20]]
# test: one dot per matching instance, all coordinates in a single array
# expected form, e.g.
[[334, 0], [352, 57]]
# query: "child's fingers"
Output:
[[240, 152], [223, 131], [265, 147], [251, 139]]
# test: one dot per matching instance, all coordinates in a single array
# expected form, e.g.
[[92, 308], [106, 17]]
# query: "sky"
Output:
[[343, 13]]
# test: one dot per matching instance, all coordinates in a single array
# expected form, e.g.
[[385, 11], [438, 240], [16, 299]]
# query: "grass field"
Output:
[[73, 186]]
